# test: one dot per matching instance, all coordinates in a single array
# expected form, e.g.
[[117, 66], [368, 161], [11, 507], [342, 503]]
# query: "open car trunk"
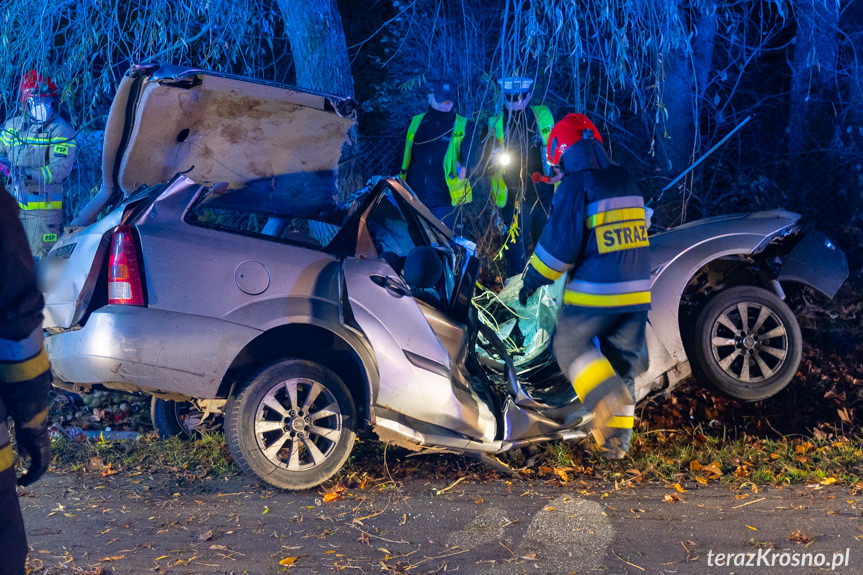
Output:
[[217, 128], [211, 127]]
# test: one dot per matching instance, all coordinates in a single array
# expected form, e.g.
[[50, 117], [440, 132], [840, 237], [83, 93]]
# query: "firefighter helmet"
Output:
[[33, 84], [568, 131]]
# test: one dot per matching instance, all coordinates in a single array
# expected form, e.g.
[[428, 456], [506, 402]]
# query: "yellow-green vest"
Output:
[[459, 189], [544, 121]]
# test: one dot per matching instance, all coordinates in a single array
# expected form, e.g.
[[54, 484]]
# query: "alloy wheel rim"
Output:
[[189, 418], [298, 424], [749, 342]]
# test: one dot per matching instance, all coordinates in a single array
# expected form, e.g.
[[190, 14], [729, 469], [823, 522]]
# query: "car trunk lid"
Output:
[[218, 128], [212, 127]]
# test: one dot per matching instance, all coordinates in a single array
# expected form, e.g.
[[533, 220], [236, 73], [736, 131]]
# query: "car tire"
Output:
[[752, 358], [275, 433], [174, 418]]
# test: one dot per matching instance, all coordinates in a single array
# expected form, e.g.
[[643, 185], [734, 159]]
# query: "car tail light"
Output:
[[124, 274]]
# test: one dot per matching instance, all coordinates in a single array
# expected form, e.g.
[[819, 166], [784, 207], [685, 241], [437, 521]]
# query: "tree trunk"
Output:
[[317, 38], [314, 29], [812, 115], [687, 73]]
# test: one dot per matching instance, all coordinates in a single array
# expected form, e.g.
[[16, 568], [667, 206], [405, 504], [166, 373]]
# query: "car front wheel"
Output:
[[747, 343], [292, 424]]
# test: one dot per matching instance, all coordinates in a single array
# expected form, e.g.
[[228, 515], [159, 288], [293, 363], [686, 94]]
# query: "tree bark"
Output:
[[812, 115], [687, 72], [317, 37]]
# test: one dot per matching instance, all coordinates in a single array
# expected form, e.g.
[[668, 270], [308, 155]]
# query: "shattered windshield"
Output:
[[298, 208], [525, 330]]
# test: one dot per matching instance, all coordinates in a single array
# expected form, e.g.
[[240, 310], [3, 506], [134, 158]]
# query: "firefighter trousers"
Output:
[[13, 540], [42, 228], [601, 353]]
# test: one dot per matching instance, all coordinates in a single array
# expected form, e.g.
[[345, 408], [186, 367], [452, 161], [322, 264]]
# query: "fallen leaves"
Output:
[[206, 535], [288, 561], [799, 537], [713, 468], [334, 494]]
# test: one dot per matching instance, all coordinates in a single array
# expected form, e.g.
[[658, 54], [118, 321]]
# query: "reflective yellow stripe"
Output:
[[41, 206], [7, 458], [621, 421], [36, 420], [25, 370], [605, 300], [591, 376], [544, 270], [46, 174], [612, 216], [409, 143]]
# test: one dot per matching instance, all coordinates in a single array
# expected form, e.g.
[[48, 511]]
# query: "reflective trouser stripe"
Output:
[[621, 421], [25, 370], [591, 376], [7, 458], [41, 206], [36, 421]]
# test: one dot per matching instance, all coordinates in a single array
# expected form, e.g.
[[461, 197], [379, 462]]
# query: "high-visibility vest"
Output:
[[459, 189], [545, 122]]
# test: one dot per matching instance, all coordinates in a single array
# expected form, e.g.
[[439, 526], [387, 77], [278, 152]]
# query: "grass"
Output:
[[691, 456], [660, 456], [207, 455]]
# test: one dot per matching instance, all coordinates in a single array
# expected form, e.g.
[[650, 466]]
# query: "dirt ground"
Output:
[[125, 523]]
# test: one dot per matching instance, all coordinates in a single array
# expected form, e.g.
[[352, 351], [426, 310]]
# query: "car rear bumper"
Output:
[[152, 350]]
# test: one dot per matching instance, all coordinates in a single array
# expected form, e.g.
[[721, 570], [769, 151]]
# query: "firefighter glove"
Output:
[[35, 442], [524, 293]]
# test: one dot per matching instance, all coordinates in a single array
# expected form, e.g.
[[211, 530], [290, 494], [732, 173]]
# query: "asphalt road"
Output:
[[162, 524]]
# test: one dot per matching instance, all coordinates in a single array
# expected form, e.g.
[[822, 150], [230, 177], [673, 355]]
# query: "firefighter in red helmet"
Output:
[[37, 153], [597, 235]]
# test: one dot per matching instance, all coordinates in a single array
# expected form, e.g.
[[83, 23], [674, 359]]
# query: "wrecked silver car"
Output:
[[240, 288]]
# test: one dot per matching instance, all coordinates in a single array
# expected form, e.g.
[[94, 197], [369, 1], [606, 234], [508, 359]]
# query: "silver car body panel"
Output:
[[676, 256], [131, 347], [408, 350], [67, 280]]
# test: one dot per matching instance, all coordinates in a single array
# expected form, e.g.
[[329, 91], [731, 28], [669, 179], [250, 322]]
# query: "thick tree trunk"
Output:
[[314, 29], [317, 38], [686, 77], [812, 115]]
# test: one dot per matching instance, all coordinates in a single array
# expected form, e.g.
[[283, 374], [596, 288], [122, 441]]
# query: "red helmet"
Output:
[[566, 132], [34, 84]]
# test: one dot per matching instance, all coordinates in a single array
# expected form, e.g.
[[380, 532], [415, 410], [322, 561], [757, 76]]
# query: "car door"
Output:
[[413, 364]]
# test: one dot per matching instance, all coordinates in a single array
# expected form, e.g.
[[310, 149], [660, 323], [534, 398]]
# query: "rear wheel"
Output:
[[292, 424], [747, 343], [175, 418]]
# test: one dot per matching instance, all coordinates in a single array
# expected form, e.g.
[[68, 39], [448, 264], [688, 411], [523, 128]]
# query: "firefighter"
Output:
[[37, 151], [434, 163], [597, 234], [24, 380], [522, 179]]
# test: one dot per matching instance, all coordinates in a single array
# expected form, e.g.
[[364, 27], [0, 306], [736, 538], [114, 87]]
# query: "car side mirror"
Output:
[[423, 267]]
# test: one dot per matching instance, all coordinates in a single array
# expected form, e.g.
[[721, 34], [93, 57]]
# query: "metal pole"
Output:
[[707, 153]]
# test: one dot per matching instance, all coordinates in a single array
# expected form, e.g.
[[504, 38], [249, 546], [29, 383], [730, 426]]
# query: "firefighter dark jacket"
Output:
[[25, 376], [597, 234]]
